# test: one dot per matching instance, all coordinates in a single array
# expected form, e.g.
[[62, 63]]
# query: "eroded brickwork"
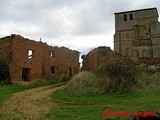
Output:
[[137, 33], [97, 57], [31, 60]]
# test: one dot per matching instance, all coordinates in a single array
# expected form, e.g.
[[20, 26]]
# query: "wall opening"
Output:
[[131, 16], [125, 17], [52, 54], [26, 74], [30, 54], [70, 72], [53, 70]]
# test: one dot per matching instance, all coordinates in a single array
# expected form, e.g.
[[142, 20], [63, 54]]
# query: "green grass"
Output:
[[73, 105], [7, 90], [89, 107]]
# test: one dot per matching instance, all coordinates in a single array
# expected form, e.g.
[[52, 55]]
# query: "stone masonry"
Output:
[[98, 57], [137, 36], [137, 33], [31, 60]]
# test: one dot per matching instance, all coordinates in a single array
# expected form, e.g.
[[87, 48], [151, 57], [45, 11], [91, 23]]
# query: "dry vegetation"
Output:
[[97, 83], [117, 76], [84, 83]]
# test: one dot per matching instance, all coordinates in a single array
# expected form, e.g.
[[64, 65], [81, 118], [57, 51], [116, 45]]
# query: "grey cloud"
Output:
[[97, 17], [80, 18]]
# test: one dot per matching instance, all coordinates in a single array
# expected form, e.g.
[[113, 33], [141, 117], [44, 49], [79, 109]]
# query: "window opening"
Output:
[[131, 16], [53, 69], [30, 54], [125, 17], [26, 74], [70, 72], [52, 54]]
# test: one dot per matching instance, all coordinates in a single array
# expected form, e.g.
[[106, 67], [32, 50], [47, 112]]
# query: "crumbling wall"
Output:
[[31, 60], [60, 61], [149, 61], [27, 54], [98, 57], [5, 50]]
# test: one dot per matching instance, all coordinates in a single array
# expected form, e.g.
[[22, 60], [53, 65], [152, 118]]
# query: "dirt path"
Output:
[[31, 104]]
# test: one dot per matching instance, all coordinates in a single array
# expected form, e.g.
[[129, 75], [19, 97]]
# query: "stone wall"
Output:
[[98, 57], [137, 33]]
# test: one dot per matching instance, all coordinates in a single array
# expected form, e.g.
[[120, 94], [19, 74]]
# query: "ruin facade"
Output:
[[137, 33], [30, 60], [98, 57]]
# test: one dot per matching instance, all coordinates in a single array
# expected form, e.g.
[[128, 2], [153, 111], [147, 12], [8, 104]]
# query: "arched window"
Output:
[[131, 16], [125, 17]]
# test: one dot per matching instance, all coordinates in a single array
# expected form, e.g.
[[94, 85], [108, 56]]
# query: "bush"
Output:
[[4, 72], [65, 79], [120, 74]]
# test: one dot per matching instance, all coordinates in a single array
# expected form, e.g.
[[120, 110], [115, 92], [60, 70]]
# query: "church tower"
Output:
[[137, 33]]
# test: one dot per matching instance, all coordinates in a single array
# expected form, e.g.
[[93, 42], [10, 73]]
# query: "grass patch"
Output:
[[7, 90], [90, 107], [82, 101], [152, 82]]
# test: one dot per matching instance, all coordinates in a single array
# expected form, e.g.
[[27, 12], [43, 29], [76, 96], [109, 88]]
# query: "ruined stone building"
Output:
[[137, 33], [31, 60], [98, 57]]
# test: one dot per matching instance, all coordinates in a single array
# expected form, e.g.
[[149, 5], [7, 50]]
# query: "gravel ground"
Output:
[[31, 104]]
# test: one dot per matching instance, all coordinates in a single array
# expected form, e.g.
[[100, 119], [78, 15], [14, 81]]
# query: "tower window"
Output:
[[131, 16], [125, 17]]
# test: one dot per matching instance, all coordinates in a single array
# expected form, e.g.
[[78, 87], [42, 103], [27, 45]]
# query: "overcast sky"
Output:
[[78, 24]]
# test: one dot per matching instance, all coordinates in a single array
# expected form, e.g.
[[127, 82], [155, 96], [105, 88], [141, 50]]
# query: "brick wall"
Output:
[[31, 60]]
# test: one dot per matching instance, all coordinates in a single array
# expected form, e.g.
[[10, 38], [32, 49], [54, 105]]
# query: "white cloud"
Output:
[[80, 25]]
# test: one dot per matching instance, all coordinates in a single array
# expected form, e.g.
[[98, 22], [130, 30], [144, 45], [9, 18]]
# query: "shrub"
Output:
[[4, 72], [65, 78], [120, 74]]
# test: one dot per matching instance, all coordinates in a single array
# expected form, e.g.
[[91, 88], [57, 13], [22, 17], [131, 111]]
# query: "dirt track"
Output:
[[31, 104]]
